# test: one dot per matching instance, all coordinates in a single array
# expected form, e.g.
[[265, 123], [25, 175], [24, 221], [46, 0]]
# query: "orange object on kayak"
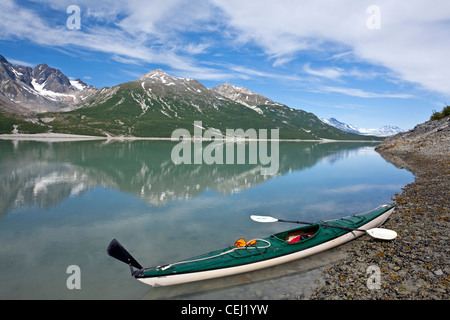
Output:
[[242, 243]]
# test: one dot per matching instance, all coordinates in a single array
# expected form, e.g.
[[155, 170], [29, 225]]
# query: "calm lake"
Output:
[[61, 203]]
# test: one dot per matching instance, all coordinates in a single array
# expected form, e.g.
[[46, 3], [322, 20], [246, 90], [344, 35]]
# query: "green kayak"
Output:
[[257, 254]]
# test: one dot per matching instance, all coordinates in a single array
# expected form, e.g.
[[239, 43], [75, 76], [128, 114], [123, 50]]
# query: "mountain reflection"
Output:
[[44, 174]]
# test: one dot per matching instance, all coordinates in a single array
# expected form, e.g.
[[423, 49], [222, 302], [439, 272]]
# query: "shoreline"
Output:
[[414, 266], [48, 137], [74, 137]]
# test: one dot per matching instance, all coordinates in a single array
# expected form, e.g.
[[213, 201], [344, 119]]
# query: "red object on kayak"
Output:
[[300, 238], [294, 240]]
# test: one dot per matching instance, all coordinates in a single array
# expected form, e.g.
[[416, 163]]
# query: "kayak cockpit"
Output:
[[299, 234]]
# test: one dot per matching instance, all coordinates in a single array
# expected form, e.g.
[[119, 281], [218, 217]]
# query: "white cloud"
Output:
[[247, 73], [164, 18], [129, 40], [193, 48], [412, 42], [284, 29], [329, 73], [364, 94], [361, 188], [20, 62]]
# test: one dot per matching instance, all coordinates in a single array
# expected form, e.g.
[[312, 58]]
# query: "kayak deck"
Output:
[[270, 249]]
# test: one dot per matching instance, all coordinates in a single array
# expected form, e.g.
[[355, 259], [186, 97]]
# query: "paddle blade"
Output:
[[382, 234], [263, 219], [116, 250]]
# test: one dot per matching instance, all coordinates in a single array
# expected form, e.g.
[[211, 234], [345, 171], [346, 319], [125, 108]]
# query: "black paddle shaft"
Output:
[[323, 224]]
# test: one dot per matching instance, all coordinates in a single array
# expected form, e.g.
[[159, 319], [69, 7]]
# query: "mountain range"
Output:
[[43, 99], [384, 131]]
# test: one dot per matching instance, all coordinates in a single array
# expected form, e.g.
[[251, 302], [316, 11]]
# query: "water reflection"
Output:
[[61, 203], [44, 174]]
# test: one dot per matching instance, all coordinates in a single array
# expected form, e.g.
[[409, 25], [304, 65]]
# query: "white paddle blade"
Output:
[[383, 234], [263, 219]]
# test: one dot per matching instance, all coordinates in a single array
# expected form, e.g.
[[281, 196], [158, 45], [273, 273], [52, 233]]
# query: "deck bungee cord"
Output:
[[240, 244]]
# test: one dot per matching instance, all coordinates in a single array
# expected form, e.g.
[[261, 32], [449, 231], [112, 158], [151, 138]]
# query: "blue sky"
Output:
[[366, 63]]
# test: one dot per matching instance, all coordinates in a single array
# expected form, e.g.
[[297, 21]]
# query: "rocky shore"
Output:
[[416, 264]]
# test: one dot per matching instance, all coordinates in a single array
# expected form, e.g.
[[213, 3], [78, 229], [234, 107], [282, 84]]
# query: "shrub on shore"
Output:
[[439, 115]]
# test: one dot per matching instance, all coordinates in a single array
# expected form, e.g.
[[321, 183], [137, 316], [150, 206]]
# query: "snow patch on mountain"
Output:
[[78, 84], [55, 96]]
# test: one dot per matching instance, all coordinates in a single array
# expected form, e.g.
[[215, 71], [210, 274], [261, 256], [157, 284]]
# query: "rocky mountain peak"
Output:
[[6, 69], [39, 89], [153, 74], [229, 88], [164, 83], [243, 96], [159, 75], [51, 79]]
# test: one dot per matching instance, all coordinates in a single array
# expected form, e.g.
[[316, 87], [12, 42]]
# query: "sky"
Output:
[[365, 63]]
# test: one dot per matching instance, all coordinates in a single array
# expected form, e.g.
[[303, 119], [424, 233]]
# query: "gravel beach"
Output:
[[416, 264]]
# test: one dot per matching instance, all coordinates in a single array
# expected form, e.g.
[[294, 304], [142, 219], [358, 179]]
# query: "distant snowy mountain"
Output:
[[384, 131], [341, 126]]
